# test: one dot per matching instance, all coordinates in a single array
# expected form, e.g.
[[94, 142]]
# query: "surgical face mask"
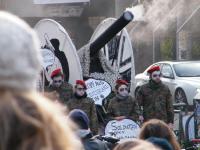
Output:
[[57, 81], [155, 76], [123, 90], [80, 90]]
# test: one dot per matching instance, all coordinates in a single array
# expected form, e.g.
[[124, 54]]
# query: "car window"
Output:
[[190, 69], [167, 71]]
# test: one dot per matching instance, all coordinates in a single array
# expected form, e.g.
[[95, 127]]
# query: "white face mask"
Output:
[[123, 90], [80, 90], [57, 81], [155, 76]]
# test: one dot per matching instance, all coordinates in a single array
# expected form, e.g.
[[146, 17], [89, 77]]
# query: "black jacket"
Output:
[[91, 143]]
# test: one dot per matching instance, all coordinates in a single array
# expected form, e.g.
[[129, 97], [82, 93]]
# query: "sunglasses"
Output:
[[156, 75], [123, 89], [57, 81], [80, 89]]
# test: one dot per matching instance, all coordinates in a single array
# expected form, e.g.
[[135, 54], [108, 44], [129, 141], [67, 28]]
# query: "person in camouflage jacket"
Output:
[[86, 104], [123, 106], [58, 86], [155, 98]]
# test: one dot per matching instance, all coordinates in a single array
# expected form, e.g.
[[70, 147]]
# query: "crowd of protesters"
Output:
[[29, 121]]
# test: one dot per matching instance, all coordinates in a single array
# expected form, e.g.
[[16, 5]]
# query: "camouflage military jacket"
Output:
[[127, 107], [107, 100], [156, 103], [88, 106], [65, 91]]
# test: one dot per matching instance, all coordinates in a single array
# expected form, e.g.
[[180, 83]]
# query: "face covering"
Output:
[[155, 76], [80, 92], [79, 97], [57, 81], [123, 91]]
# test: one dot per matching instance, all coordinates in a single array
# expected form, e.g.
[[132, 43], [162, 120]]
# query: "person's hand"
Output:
[[171, 126], [120, 118], [141, 118]]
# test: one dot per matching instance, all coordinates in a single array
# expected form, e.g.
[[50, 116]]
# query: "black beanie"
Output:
[[80, 118]]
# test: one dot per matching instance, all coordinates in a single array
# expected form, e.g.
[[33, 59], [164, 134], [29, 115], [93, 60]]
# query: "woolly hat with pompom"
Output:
[[20, 59]]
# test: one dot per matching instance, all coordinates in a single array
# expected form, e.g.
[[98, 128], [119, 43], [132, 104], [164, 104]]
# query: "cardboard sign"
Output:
[[124, 129], [97, 90]]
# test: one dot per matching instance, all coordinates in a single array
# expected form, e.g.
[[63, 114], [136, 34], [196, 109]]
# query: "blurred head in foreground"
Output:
[[135, 144], [159, 129], [27, 120]]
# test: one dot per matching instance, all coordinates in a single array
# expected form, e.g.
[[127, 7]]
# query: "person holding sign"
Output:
[[155, 98], [86, 104], [58, 87], [123, 106]]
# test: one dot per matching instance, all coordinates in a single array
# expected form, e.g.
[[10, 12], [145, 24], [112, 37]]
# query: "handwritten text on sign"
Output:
[[97, 90], [124, 129]]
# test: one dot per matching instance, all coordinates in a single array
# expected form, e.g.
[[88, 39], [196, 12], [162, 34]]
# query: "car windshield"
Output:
[[187, 69]]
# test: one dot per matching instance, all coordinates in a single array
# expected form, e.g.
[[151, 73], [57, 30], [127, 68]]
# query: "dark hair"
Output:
[[118, 85], [81, 85], [159, 129]]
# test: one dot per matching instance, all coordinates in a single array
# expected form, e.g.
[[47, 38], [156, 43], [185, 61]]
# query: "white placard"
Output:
[[97, 90], [124, 129], [48, 57]]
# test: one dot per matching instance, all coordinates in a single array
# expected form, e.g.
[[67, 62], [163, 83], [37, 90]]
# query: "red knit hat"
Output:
[[81, 82], [56, 72], [153, 68], [121, 82]]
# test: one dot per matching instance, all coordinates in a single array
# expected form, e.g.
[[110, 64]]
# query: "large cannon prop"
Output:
[[107, 35], [108, 51], [107, 56]]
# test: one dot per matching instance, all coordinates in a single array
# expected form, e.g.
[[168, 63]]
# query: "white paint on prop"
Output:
[[49, 29], [48, 57]]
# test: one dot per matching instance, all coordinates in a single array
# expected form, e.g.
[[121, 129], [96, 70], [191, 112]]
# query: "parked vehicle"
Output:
[[182, 78]]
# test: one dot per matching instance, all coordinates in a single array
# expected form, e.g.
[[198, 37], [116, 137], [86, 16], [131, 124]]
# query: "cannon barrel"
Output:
[[108, 34]]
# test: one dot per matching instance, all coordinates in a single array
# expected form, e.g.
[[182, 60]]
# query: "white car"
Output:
[[182, 78]]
